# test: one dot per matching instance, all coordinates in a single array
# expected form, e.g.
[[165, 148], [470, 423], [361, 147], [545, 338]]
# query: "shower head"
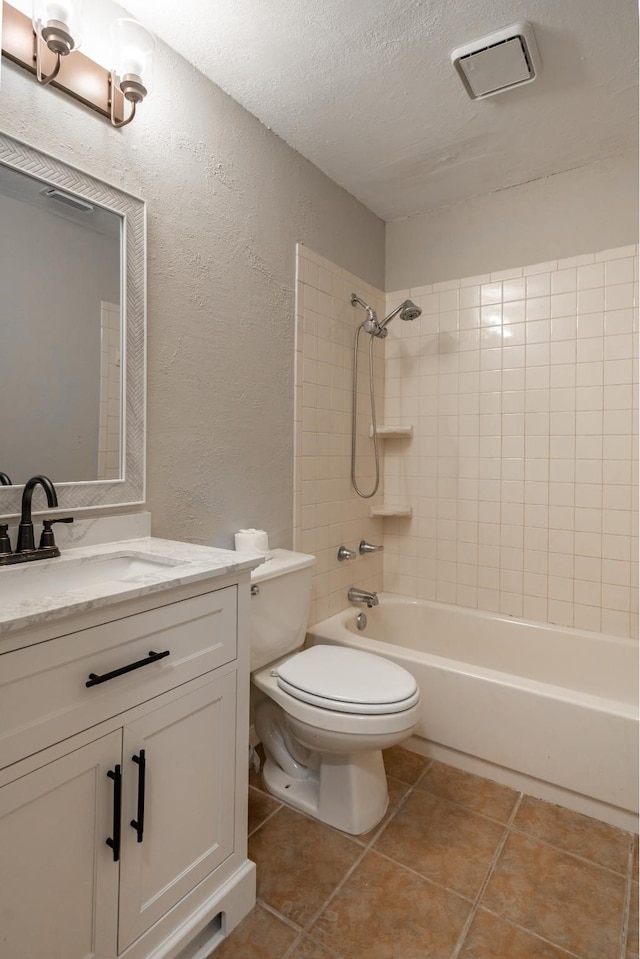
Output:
[[407, 311]]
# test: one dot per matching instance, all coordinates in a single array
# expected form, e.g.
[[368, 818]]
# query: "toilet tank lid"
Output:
[[281, 561]]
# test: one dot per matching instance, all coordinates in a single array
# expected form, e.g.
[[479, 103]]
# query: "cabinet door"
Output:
[[189, 774], [58, 880]]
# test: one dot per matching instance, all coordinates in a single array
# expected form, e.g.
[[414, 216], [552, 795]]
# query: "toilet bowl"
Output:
[[323, 714]]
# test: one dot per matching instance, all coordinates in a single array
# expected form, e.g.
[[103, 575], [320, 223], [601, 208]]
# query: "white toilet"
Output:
[[323, 714]]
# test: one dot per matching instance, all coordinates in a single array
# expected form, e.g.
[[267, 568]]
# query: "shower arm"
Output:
[[387, 319]]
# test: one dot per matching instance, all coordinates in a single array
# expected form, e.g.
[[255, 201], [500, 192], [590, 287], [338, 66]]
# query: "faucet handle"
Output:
[[5, 542], [46, 539], [345, 553], [368, 547]]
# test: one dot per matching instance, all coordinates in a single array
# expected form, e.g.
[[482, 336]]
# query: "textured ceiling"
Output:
[[365, 88]]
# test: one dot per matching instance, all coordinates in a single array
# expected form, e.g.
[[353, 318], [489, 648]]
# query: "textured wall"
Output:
[[590, 208], [227, 201]]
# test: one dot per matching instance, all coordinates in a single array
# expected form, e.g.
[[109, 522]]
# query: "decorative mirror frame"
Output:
[[130, 488]]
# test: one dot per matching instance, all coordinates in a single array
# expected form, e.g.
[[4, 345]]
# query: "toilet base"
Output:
[[346, 790]]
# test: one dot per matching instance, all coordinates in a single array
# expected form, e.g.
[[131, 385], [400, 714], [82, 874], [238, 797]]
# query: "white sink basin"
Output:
[[32, 581]]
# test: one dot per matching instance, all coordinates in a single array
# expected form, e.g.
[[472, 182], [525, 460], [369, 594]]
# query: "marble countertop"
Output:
[[44, 591]]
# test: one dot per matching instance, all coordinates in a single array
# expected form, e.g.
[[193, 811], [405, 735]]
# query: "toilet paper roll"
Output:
[[252, 541]]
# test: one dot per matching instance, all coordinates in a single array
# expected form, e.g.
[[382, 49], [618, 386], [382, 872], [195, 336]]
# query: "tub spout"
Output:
[[356, 595]]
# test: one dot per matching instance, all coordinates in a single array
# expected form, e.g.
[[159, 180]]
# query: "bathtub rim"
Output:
[[623, 708], [333, 629]]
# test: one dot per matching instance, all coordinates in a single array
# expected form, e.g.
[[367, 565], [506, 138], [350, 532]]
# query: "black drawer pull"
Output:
[[94, 679], [138, 824], [114, 842]]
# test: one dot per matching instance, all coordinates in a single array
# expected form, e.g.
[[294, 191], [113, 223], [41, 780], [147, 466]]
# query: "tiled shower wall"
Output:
[[327, 512], [521, 387]]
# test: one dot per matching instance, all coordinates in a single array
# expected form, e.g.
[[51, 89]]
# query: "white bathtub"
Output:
[[549, 710]]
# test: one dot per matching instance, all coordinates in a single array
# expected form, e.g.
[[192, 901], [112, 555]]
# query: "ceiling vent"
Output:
[[500, 61]]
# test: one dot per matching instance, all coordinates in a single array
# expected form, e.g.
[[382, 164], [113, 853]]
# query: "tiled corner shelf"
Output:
[[384, 510], [392, 432]]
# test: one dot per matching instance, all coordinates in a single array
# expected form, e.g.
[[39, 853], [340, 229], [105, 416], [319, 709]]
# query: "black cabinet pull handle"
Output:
[[94, 679], [138, 824], [114, 841]]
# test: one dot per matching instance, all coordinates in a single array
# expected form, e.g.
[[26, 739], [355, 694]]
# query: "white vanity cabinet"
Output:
[[123, 802]]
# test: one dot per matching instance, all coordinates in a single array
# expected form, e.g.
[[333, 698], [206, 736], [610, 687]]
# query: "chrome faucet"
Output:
[[368, 547], [25, 550], [357, 595]]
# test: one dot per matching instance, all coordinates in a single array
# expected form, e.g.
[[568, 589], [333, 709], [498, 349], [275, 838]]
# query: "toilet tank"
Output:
[[280, 605]]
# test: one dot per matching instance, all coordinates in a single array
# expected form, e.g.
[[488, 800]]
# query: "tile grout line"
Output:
[[534, 935], [485, 882], [264, 821], [626, 910], [365, 849], [567, 852]]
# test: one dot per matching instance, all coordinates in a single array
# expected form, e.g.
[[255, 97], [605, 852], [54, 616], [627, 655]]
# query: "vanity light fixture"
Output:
[[56, 24], [47, 46], [132, 58]]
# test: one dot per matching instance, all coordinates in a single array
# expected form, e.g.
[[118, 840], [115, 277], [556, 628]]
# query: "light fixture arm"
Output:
[[114, 121], [42, 80]]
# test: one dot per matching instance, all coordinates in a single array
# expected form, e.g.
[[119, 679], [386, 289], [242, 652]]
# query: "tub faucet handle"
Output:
[[368, 547], [345, 553]]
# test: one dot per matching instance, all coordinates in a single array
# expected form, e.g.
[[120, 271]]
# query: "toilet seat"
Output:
[[347, 681]]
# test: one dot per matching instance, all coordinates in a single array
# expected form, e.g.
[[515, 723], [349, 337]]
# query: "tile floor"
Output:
[[460, 868]]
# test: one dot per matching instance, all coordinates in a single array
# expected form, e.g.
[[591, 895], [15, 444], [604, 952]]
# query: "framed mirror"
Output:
[[72, 333]]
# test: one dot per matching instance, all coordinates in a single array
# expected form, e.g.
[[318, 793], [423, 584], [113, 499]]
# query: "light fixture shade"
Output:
[[132, 58], [59, 24]]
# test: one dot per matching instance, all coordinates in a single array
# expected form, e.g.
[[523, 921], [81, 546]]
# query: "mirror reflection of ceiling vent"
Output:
[[500, 61], [70, 200]]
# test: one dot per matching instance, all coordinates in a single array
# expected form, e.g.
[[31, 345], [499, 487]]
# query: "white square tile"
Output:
[[590, 277], [514, 334], [561, 588], [591, 301], [590, 374], [491, 315], [616, 597], [538, 354], [564, 281], [538, 331], [538, 285], [617, 322], [491, 293], [589, 398], [618, 347], [538, 308], [619, 297], [513, 379], [618, 372], [563, 328], [469, 297], [514, 289], [619, 271], [513, 312]]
